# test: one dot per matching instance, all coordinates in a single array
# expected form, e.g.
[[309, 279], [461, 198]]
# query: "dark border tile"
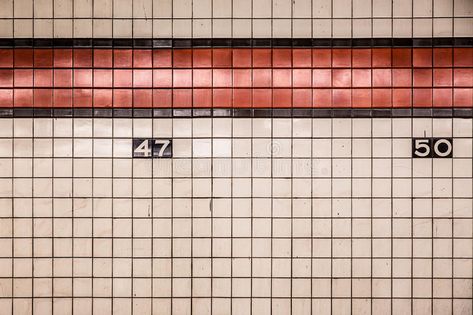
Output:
[[62, 112], [43, 112], [302, 112], [361, 113], [463, 112], [242, 112], [422, 42], [143, 112], [262, 113], [422, 112], [23, 112], [322, 113], [143, 42], [401, 112], [82, 112], [123, 112], [182, 112], [182, 43], [282, 112], [162, 43], [6, 112], [442, 112], [103, 112], [162, 112], [341, 113], [381, 113], [221, 112], [201, 112], [81, 42]]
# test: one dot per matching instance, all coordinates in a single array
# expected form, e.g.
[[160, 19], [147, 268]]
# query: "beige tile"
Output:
[[23, 9], [23, 28], [6, 28], [142, 9], [82, 8], [6, 9]]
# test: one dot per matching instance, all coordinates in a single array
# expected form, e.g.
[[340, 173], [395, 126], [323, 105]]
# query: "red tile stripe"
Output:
[[239, 78]]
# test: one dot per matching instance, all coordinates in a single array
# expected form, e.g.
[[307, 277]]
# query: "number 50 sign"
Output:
[[152, 148], [432, 148]]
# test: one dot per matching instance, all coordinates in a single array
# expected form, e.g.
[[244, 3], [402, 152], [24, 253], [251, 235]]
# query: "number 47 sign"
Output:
[[152, 148]]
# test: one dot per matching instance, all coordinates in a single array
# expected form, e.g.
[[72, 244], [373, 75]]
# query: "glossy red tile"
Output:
[[463, 97], [202, 77], [222, 98], [23, 78], [282, 58], [62, 78], [162, 58], [82, 97], [402, 57], [422, 57], [43, 58], [122, 58], [122, 78], [302, 98], [124, 98], [182, 98], [102, 98], [43, 77], [381, 97], [322, 78], [143, 98], [442, 77], [102, 77], [422, 77], [162, 98], [302, 77], [202, 58], [6, 78], [62, 97], [182, 78], [6, 97], [43, 98], [82, 58], [261, 77], [282, 77], [241, 58], [341, 58], [82, 78], [143, 78], [282, 98], [442, 97], [262, 97], [443, 57], [62, 58], [222, 57], [322, 97], [341, 97], [341, 77], [422, 97], [182, 58], [361, 98], [361, 58], [402, 77], [222, 77], [463, 77], [162, 78], [6, 58], [463, 57], [322, 58], [202, 97], [23, 97], [142, 58], [242, 78], [23, 58], [242, 98], [402, 97], [361, 77], [381, 57], [302, 58], [103, 58], [261, 58]]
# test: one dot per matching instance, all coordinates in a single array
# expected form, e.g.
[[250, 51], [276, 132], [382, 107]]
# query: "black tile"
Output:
[[182, 43], [42, 42], [442, 41], [23, 42], [442, 112], [80, 42], [143, 112], [322, 113], [43, 112], [62, 112], [162, 43], [402, 42], [102, 42], [302, 112], [463, 112], [6, 112], [142, 42], [221, 42], [302, 42], [463, 41], [422, 112], [123, 112], [361, 42], [361, 113], [82, 112], [341, 113], [281, 42], [242, 112], [322, 42], [282, 112], [422, 42], [381, 113], [382, 42], [261, 42], [401, 112], [182, 112], [262, 112], [241, 42], [63, 42], [221, 112], [341, 42], [162, 112], [23, 112], [7, 42], [201, 42], [123, 42], [201, 112], [103, 112]]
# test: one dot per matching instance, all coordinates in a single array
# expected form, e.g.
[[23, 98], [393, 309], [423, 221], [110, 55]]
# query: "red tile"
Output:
[[6, 58], [6, 78], [341, 58], [341, 77], [82, 78], [143, 98], [23, 78], [261, 77], [242, 78], [122, 78], [361, 58], [182, 58], [381, 77], [422, 57], [241, 58], [242, 98], [162, 58], [142, 58], [361, 98], [282, 58], [322, 78], [442, 97], [6, 97], [361, 77], [43, 58], [103, 58], [382, 97], [202, 58], [202, 97], [402, 97], [182, 78], [23, 97], [402, 57], [23, 58], [222, 77], [463, 97], [82, 97], [302, 77], [143, 78], [422, 97], [302, 58], [261, 58], [43, 98], [381, 57], [282, 77], [162, 98], [422, 77], [402, 77], [322, 97], [123, 97], [302, 98], [82, 58], [102, 98], [463, 57], [322, 58], [62, 58], [443, 77], [463, 77], [102, 78], [182, 98], [162, 78], [202, 77], [341, 97], [43, 78], [122, 58], [262, 97], [443, 57], [222, 57], [282, 98], [62, 78], [222, 98], [62, 97]]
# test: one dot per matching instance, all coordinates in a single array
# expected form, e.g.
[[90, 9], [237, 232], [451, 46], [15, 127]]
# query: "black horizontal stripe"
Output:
[[233, 42], [236, 112]]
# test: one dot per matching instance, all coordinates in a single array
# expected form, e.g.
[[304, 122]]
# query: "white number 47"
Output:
[[160, 145]]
